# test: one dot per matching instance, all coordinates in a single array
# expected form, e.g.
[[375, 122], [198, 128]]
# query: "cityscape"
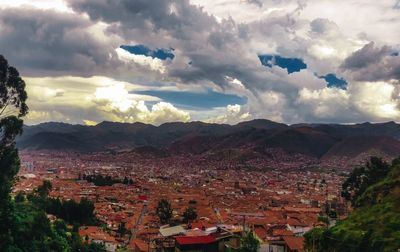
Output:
[[279, 205], [199, 126]]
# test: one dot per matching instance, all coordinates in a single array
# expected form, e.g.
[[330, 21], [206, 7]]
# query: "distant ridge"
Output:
[[320, 141]]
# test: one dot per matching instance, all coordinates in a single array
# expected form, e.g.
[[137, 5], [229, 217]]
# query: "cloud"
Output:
[[325, 104], [233, 114], [44, 42], [363, 101], [154, 64], [95, 99], [379, 100], [367, 55], [372, 63], [259, 3], [89, 123], [121, 106], [215, 47]]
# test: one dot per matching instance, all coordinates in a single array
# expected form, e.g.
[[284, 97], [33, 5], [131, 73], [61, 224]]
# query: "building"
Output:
[[205, 243]]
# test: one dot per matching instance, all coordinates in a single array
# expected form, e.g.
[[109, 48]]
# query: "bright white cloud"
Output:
[[146, 61], [215, 48], [122, 106], [92, 100], [326, 103], [58, 5], [363, 101], [234, 113], [379, 99]]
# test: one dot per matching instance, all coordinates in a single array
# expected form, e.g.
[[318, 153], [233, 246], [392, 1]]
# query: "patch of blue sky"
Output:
[[205, 100], [159, 53], [334, 81], [290, 64]]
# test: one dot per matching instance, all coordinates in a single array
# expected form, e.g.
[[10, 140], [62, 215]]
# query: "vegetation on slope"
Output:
[[24, 225], [374, 225]]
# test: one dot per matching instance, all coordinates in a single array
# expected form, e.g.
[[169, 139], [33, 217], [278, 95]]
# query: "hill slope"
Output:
[[316, 141], [373, 226]]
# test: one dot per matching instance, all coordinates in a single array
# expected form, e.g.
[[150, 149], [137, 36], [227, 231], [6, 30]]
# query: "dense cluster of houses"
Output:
[[278, 206]]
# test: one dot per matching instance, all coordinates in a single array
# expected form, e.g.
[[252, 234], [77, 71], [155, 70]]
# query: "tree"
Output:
[[12, 103], [249, 243], [44, 189], [362, 177], [190, 214], [122, 229], [12, 109], [164, 211], [20, 197], [374, 223]]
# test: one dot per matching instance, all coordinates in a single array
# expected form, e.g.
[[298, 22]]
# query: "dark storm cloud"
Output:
[[179, 18], [209, 52], [373, 63], [218, 51], [215, 49], [130, 13], [367, 55], [46, 42]]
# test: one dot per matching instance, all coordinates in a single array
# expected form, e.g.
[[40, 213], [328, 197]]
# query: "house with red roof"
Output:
[[206, 243], [97, 235], [294, 243]]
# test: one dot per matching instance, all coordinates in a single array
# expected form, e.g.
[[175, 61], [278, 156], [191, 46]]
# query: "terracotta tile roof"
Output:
[[261, 232], [294, 242], [96, 233], [282, 232], [189, 240], [140, 244]]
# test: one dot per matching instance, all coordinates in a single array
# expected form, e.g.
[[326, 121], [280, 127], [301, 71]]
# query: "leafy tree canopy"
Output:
[[12, 108], [363, 177], [249, 243], [164, 211], [190, 214], [375, 222]]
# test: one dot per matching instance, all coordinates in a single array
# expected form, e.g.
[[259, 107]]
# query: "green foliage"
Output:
[[323, 219], [363, 177], [20, 197], [32, 231], [44, 189], [24, 225], [100, 180], [122, 229], [12, 108], [249, 243], [190, 214], [71, 211], [164, 211], [374, 225]]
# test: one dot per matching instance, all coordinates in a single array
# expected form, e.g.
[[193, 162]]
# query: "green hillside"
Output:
[[374, 225]]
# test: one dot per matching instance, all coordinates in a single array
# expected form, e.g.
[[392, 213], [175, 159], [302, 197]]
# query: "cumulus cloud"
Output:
[[326, 104], [363, 101], [154, 64], [215, 44], [233, 114], [378, 100], [45, 42], [122, 107], [95, 99], [373, 63]]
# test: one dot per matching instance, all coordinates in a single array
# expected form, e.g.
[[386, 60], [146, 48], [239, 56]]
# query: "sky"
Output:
[[217, 61]]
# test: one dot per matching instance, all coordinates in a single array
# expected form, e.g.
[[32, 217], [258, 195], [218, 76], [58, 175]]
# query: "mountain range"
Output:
[[319, 141]]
